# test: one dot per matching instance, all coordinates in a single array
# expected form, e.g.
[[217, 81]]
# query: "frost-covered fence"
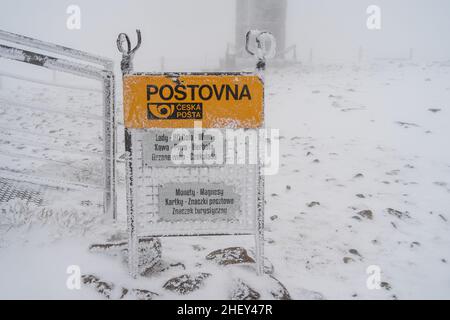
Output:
[[53, 83], [78, 63]]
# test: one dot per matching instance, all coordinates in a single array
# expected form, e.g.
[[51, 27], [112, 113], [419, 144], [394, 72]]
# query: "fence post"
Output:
[[109, 135], [261, 53], [133, 240]]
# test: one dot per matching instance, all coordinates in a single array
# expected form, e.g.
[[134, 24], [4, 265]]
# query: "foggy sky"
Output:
[[197, 31]]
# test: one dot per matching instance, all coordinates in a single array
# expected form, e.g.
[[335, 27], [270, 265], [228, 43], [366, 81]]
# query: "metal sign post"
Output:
[[194, 152]]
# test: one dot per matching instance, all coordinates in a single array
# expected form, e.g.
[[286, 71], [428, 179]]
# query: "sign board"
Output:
[[198, 202], [183, 134], [177, 100]]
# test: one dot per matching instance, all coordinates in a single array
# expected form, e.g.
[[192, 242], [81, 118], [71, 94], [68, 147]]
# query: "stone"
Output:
[[279, 291], [102, 287], [407, 125], [313, 204], [242, 291], [236, 256], [141, 294], [386, 285], [227, 256], [398, 214], [163, 266], [124, 293], [355, 252], [107, 289], [348, 260], [186, 283], [149, 251], [149, 254], [415, 244], [368, 214]]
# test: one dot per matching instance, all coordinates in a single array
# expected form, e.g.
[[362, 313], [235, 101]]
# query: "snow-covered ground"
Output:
[[364, 181]]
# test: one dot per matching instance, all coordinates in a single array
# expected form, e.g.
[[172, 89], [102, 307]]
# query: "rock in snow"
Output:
[[186, 283], [234, 255], [103, 288], [279, 291], [149, 252], [140, 294], [368, 214], [108, 291], [241, 291]]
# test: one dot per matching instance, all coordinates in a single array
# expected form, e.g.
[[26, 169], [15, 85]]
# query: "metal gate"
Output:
[[76, 63]]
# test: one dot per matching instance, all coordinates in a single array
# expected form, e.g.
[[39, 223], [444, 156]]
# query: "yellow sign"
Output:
[[178, 100]]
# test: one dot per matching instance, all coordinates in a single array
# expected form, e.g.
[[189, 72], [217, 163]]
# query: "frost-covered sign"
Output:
[[193, 154], [178, 100], [197, 201]]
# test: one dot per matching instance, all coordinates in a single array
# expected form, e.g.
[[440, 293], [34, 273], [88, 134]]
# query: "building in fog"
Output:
[[267, 15]]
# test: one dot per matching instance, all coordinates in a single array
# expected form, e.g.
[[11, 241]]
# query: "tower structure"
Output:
[[267, 15]]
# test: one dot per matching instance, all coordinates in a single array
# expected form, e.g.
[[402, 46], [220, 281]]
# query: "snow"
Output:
[[345, 130]]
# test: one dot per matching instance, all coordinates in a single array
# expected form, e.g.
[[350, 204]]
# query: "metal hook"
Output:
[[120, 39], [262, 44], [261, 53], [247, 42], [128, 53], [139, 41]]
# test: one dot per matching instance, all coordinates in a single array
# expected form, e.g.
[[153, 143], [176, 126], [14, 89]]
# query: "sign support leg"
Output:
[[133, 240], [259, 223], [109, 155]]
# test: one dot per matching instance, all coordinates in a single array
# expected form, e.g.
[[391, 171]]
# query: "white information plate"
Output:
[[159, 146], [197, 201]]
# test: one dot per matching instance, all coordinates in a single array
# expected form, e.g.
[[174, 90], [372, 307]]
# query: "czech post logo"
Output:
[[160, 110], [179, 111]]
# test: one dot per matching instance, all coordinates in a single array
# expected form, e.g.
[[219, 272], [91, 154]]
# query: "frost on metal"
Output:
[[86, 69], [146, 184], [147, 181], [54, 48], [11, 189]]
